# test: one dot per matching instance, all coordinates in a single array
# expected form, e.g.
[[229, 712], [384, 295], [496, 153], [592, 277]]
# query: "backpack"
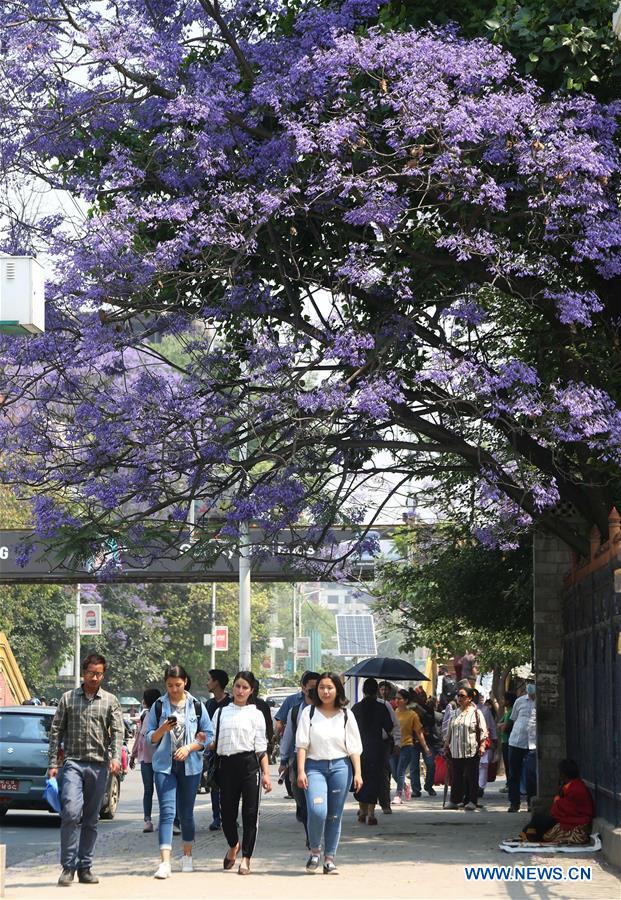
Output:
[[197, 709]]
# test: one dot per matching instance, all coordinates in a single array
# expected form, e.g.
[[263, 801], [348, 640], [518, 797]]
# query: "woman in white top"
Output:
[[328, 748], [240, 743]]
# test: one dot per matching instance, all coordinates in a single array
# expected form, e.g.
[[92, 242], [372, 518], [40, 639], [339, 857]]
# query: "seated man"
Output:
[[571, 814]]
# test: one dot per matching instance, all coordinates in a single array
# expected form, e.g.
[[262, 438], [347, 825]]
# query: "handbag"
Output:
[[477, 731], [440, 773], [211, 775]]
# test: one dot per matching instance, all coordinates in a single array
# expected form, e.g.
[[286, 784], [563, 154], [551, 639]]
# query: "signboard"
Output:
[[222, 637], [302, 646], [181, 559], [90, 618]]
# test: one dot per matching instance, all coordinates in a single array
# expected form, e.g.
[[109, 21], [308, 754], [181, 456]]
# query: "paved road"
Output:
[[419, 852], [28, 835]]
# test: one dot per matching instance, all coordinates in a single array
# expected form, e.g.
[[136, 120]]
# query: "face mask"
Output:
[[531, 690]]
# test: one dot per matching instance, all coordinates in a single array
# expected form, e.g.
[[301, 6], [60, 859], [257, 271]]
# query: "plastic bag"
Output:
[[51, 794]]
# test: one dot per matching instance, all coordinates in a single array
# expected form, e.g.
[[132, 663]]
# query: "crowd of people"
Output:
[[326, 751]]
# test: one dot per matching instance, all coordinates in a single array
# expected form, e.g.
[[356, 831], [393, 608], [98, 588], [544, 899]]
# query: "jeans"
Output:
[[83, 789], [430, 769], [146, 770], [172, 787], [328, 785], [215, 805], [404, 762]]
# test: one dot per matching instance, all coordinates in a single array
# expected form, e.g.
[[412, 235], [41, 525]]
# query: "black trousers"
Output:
[[239, 778], [465, 779], [517, 755]]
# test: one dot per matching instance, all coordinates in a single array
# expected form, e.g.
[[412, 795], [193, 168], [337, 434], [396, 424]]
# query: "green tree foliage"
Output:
[[565, 44], [134, 639], [33, 618], [187, 612], [454, 594]]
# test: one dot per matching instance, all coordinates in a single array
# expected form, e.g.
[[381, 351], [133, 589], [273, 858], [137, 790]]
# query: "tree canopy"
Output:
[[455, 594], [365, 239]]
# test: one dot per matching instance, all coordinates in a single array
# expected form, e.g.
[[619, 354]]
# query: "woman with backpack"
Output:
[[178, 727], [142, 751], [328, 752], [240, 746]]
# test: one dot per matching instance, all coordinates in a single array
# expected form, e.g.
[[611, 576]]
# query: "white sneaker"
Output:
[[163, 870], [396, 800], [470, 806], [186, 864]]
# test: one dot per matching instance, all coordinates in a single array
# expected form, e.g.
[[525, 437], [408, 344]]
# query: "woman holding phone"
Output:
[[179, 727]]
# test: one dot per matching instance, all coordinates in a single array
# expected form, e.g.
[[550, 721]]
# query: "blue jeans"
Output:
[[83, 789], [171, 788], [146, 770], [328, 784], [404, 763], [430, 769]]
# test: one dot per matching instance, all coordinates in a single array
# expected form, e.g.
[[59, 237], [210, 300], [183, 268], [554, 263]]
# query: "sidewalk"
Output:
[[418, 852]]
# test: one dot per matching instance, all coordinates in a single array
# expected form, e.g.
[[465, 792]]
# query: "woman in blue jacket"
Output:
[[180, 727]]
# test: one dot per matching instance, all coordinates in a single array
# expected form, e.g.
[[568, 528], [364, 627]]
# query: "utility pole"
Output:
[[212, 664], [77, 651], [295, 627], [245, 646]]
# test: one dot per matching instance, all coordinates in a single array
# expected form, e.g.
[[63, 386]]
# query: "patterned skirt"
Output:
[[578, 835]]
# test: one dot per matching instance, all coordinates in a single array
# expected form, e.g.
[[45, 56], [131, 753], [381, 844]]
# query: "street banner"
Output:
[[90, 618], [222, 637], [302, 646]]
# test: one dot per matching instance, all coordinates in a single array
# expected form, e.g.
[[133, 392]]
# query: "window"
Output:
[[18, 728]]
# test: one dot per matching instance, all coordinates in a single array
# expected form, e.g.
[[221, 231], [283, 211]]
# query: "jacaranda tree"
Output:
[[361, 240]]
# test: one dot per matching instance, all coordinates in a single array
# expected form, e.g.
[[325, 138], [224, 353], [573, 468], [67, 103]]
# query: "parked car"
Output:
[[24, 740]]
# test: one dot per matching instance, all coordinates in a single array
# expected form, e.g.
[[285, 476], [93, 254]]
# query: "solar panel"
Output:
[[356, 635]]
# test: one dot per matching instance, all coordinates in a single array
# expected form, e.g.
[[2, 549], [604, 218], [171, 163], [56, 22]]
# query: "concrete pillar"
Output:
[[551, 562]]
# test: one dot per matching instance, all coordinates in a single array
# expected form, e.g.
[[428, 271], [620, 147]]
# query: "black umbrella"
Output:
[[386, 667]]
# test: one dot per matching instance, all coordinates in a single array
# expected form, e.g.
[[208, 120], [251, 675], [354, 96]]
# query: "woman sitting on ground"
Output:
[[571, 815]]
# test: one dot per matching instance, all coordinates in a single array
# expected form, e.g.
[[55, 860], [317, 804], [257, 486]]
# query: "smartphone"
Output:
[[172, 719]]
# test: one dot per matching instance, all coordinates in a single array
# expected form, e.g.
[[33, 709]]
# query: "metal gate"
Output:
[[592, 670]]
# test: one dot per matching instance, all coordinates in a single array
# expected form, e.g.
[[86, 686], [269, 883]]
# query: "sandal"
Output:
[[243, 870]]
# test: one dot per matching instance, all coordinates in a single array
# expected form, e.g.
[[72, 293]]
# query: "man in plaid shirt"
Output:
[[89, 724]]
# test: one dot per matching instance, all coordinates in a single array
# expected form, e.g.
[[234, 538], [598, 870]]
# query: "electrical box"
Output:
[[22, 300]]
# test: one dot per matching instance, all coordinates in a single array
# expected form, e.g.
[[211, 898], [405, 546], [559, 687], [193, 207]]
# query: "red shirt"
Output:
[[573, 804]]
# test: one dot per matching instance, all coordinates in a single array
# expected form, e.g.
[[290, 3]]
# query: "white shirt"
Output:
[[524, 718], [242, 730], [326, 737]]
